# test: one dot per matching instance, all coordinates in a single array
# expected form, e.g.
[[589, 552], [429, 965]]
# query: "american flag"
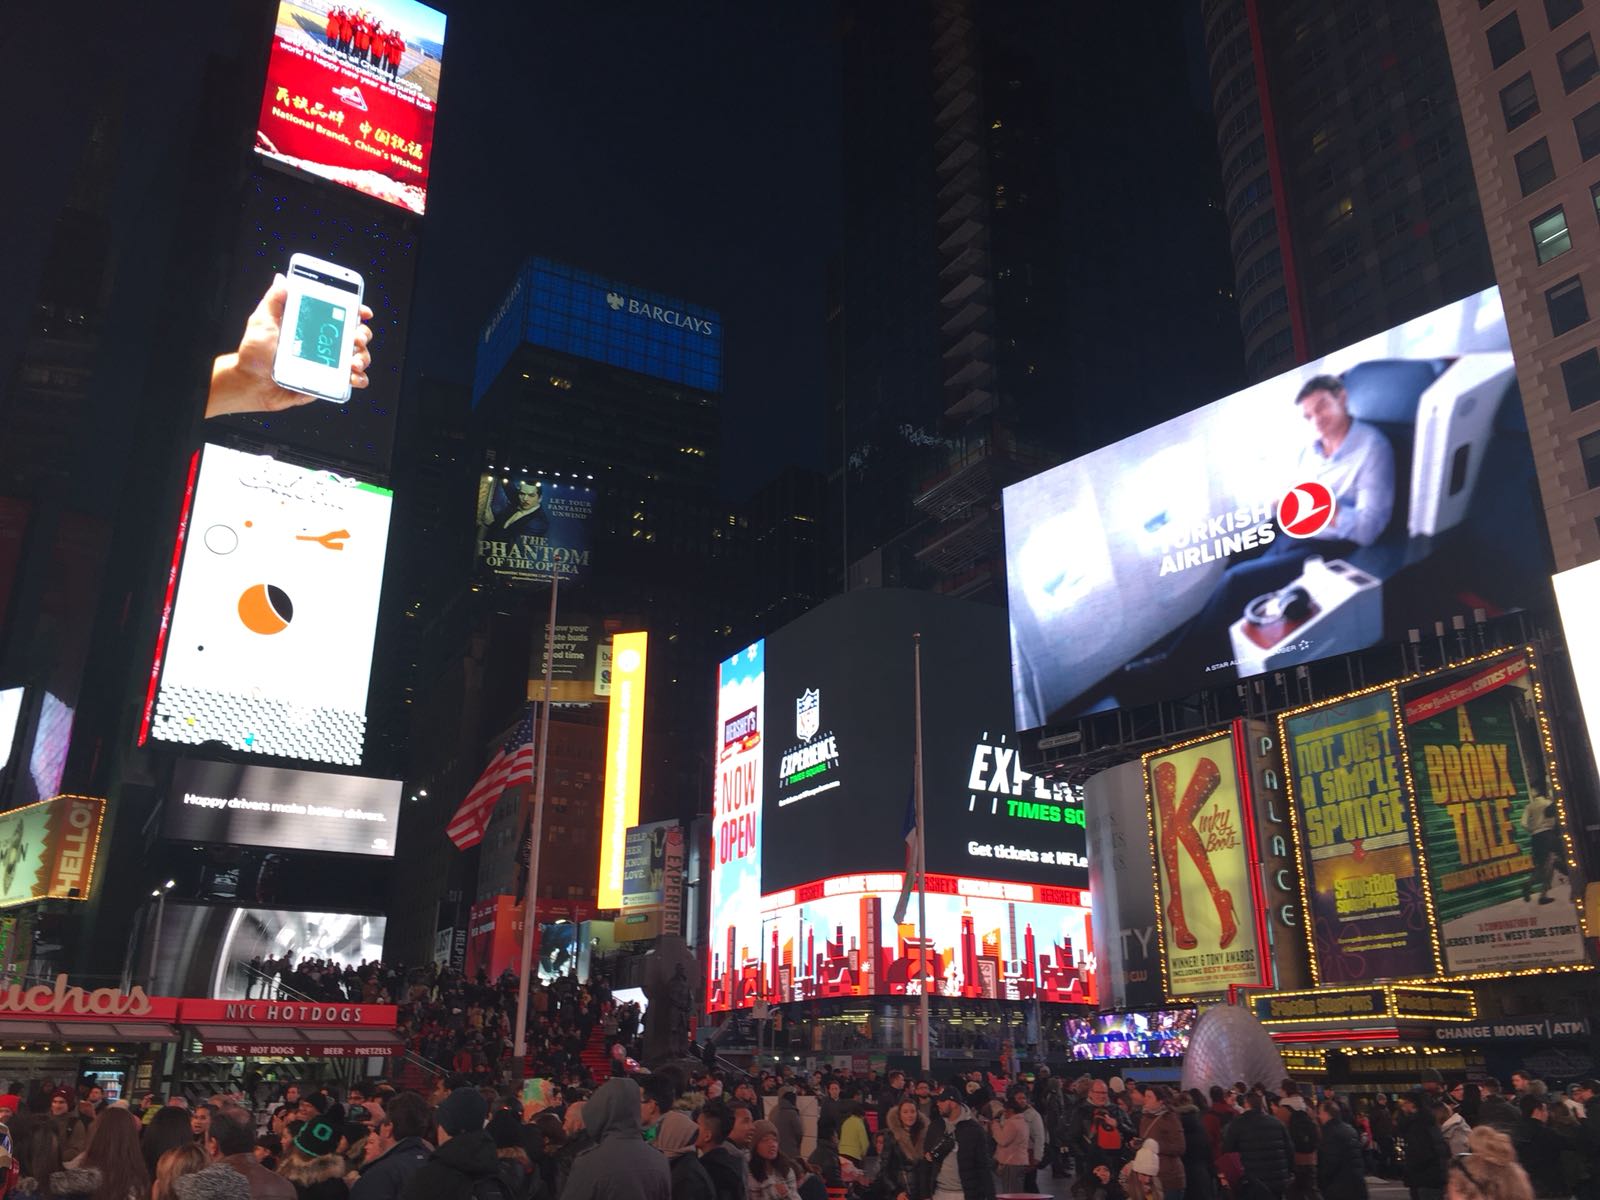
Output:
[[513, 764]]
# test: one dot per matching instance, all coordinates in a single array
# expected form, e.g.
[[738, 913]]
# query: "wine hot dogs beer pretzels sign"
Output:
[[1202, 855]]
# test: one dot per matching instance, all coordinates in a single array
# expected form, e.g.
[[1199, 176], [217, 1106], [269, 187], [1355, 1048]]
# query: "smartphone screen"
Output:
[[315, 345]]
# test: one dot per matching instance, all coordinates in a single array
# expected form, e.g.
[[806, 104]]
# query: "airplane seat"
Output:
[[1386, 393]]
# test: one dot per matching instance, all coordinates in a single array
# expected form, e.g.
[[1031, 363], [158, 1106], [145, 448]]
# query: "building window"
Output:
[[1587, 126], [1505, 40], [1577, 63], [1594, 194], [1581, 374], [1519, 102], [1550, 235], [1568, 308], [1589, 447], [1560, 10], [1534, 168]]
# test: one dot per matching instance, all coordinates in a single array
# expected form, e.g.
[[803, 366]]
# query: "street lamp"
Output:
[[160, 895]]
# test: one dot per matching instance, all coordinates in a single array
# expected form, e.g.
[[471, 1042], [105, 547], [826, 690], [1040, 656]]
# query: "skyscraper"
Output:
[[1347, 183], [998, 302]]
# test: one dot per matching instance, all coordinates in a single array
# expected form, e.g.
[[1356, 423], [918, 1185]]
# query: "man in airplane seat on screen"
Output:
[[1355, 462]]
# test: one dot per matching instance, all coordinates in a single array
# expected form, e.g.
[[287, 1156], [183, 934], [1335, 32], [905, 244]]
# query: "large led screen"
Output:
[[531, 527], [10, 715], [269, 645], [1361, 878], [985, 939], [1578, 594], [240, 804], [48, 849], [1505, 880], [206, 950], [736, 825], [350, 95], [1164, 1033], [840, 736], [1329, 509]]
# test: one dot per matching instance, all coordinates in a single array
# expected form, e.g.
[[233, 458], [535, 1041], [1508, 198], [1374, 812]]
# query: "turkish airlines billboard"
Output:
[[1382, 488]]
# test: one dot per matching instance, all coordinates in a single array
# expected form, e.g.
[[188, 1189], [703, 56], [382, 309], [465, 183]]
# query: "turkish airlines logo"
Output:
[[1306, 509]]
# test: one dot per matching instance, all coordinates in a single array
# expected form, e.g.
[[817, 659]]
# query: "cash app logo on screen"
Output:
[[316, 331]]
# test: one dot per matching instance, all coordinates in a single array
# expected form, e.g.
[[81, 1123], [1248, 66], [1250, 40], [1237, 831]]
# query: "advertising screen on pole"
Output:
[[244, 805], [350, 95], [531, 527], [268, 643], [1494, 826], [985, 940], [1578, 594], [48, 850], [1203, 850], [1329, 509], [1352, 813], [735, 902]]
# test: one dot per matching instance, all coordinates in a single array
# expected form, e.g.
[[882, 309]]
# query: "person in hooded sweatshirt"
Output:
[[466, 1154], [675, 1138], [620, 1165]]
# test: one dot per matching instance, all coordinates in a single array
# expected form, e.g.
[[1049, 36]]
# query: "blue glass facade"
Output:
[[577, 312]]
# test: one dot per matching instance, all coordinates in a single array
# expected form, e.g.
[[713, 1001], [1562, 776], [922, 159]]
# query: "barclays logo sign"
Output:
[[618, 303]]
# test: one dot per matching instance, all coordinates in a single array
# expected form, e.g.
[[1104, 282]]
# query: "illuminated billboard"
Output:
[[1578, 594], [48, 850], [573, 311], [624, 757], [245, 805], [1360, 875], [266, 644], [1115, 1035], [989, 939], [1501, 863], [350, 95], [206, 949], [10, 715], [1203, 843], [1324, 511], [840, 730], [531, 527], [736, 817]]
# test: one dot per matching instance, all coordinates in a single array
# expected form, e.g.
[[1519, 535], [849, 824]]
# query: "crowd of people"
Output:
[[702, 1135], [360, 37]]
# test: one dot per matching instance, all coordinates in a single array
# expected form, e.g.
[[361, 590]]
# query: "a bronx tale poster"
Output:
[[1362, 878], [1203, 866], [1491, 821]]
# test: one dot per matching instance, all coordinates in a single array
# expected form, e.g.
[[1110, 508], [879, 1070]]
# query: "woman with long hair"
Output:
[[903, 1152], [772, 1176], [112, 1168], [175, 1163], [167, 1130], [1489, 1171]]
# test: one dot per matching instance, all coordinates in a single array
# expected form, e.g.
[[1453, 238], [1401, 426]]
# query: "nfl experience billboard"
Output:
[[840, 735], [244, 804], [1504, 879], [531, 527], [267, 631], [1329, 509], [350, 95], [1361, 876]]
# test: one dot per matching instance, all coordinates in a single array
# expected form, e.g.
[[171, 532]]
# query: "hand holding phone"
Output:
[[316, 339]]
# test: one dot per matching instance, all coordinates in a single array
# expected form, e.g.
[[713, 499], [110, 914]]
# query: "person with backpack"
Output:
[[1303, 1139], [1341, 1164], [466, 1165]]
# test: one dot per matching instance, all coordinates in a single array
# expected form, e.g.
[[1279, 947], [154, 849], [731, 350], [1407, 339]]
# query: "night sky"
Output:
[[692, 150]]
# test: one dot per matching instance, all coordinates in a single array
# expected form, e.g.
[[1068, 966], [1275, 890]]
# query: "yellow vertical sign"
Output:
[[624, 754]]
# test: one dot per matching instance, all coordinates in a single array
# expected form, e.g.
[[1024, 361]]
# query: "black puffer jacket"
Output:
[[1426, 1153], [1341, 1167], [1263, 1146]]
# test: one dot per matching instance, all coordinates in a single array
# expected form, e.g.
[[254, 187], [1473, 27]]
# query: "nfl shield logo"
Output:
[[808, 715]]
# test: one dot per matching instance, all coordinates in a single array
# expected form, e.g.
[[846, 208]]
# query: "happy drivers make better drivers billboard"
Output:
[[350, 95], [1326, 510]]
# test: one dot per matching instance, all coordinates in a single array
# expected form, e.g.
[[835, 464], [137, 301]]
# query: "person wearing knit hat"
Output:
[[466, 1156], [773, 1175], [1138, 1178], [675, 1138], [216, 1182], [311, 1163]]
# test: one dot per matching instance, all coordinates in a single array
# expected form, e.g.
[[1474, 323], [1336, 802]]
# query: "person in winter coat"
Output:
[[1262, 1144], [854, 1143], [516, 1168], [216, 1182], [724, 1160], [620, 1166], [396, 1150], [1199, 1163], [791, 1129], [1141, 1178], [824, 1159], [1217, 1116], [1023, 1105], [1341, 1165], [1540, 1148], [675, 1139], [1423, 1164], [1158, 1123], [313, 1164], [466, 1153], [903, 1160], [1454, 1127], [1100, 1132], [957, 1152], [773, 1176], [232, 1142], [1010, 1133]]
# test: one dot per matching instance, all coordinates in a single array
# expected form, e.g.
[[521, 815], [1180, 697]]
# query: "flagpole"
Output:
[[530, 901], [922, 856]]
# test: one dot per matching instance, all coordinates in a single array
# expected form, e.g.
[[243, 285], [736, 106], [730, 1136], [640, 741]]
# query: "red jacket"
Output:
[[396, 48], [363, 35], [333, 24]]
